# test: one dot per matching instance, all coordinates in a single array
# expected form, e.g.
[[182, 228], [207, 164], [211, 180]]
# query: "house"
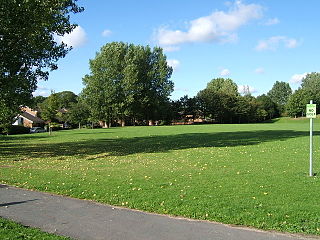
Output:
[[29, 118]]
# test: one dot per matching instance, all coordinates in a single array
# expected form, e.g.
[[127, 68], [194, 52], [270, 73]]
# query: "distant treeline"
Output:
[[130, 85]]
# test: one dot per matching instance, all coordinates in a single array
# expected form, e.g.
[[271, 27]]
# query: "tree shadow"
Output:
[[145, 144], [16, 203], [274, 120], [10, 138]]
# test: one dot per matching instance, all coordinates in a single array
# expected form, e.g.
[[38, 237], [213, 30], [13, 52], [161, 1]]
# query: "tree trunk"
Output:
[[79, 125]]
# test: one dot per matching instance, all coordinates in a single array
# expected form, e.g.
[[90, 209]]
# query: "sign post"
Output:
[[311, 113]]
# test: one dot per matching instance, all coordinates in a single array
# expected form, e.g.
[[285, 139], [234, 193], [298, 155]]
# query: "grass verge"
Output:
[[251, 174], [10, 230]]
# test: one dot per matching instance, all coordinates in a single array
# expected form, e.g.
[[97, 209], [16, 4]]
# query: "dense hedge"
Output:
[[15, 130]]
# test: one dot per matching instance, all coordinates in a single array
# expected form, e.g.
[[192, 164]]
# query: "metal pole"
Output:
[[311, 129]]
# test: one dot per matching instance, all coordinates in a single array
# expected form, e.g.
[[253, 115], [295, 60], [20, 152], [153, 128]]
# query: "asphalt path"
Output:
[[81, 219]]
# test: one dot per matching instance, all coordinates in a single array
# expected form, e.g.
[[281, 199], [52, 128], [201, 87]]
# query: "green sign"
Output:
[[311, 111]]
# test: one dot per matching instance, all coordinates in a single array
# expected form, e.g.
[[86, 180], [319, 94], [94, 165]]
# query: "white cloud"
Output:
[[42, 91], [275, 42], [291, 43], [224, 72], [170, 48], [76, 38], [259, 70], [220, 26], [181, 90], [174, 63], [297, 78], [272, 21], [243, 89], [106, 33]]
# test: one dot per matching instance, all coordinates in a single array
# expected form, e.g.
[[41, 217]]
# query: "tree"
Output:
[[36, 101], [28, 49], [296, 106], [224, 85], [280, 94], [103, 93], [66, 99], [55, 107], [49, 108], [246, 109], [265, 102], [127, 82], [219, 99], [78, 113], [311, 84]]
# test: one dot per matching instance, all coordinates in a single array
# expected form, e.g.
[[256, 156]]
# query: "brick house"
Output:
[[29, 118]]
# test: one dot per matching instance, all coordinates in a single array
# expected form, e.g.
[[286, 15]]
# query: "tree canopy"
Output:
[[280, 93], [218, 99], [28, 49], [127, 83]]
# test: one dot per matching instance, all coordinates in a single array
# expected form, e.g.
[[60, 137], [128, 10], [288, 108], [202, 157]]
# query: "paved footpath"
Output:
[[87, 220]]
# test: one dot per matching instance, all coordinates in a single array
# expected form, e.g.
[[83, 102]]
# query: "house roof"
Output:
[[31, 117]]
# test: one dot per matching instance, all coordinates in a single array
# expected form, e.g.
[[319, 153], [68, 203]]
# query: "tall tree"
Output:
[[219, 99], [54, 107], [49, 108], [36, 101], [103, 93], [78, 113], [280, 94], [28, 49], [296, 106], [268, 105], [311, 84], [66, 99], [127, 81]]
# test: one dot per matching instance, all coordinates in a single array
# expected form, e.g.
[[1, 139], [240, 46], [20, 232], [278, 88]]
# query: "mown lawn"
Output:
[[250, 174], [12, 231]]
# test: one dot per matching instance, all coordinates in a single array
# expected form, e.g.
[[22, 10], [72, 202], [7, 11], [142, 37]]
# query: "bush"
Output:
[[14, 129]]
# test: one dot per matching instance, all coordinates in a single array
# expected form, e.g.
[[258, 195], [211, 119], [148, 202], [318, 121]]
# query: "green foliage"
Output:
[[36, 101], [280, 93], [185, 106], [127, 82], [311, 84], [219, 99], [7, 115], [78, 113], [251, 174], [66, 99], [296, 106], [28, 49], [14, 129], [269, 106], [55, 107], [223, 85], [49, 108]]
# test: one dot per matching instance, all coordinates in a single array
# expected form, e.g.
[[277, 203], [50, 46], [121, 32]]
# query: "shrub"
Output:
[[14, 129]]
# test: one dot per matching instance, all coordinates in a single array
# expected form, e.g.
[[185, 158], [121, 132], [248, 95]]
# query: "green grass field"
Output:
[[12, 231], [250, 174]]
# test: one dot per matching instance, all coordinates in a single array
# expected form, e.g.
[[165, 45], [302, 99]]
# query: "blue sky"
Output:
[[255, 43]]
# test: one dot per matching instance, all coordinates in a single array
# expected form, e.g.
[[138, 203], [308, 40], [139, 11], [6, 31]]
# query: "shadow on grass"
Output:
[[274, 120], [20, 137], [145, 144]]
